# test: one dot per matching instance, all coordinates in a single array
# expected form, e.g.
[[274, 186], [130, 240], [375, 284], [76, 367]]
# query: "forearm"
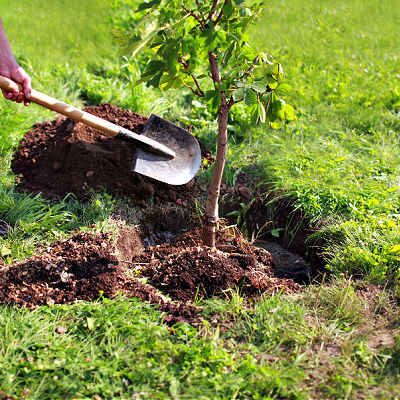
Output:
[[10, 69], [7, 60]]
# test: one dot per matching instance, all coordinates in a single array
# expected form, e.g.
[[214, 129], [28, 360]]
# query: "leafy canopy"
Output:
[[183, 34]]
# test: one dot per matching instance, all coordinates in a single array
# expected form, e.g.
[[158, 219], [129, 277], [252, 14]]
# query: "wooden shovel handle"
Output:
[[62, 108]]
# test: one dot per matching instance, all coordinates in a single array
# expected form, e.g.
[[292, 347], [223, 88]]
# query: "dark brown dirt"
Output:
[[77, 268], [80, 268], [87, 265], [64, 156], [184, 270]]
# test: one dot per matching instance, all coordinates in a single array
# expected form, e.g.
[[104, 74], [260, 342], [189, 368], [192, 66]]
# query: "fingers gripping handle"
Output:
[[8, 85], [63, 108]]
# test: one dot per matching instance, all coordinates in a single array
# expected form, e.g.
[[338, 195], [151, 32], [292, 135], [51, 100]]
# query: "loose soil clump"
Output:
[[185, 271], [64, 156], [82, 267], [74, 269], [88, 265]]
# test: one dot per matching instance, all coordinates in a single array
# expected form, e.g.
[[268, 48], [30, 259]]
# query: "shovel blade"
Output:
[[176, 171]]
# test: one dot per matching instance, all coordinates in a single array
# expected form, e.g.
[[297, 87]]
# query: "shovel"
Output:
[[165, 151]]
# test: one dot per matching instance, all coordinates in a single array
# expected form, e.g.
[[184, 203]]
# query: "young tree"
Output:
[[196, 41]]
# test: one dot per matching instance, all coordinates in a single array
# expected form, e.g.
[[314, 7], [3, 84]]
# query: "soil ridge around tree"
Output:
[[89, 265]]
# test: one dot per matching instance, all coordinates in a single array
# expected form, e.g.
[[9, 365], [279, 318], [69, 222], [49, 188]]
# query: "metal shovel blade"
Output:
[[176, 171]]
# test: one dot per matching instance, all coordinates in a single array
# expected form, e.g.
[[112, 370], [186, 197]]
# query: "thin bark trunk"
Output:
[[211, 212]]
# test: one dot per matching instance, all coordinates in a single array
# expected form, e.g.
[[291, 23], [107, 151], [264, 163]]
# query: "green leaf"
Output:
[[271, 116], [213, 98], [254, 112], [276, 125], [245, 12], [155, 81], [177, 83], [167, 82], [259, 72], [240, 84], [250, 97], [137, 43], [211, 41], [289, 112], [120, 37], [280, 109], [272, 82], [172, 65], [228, 9], [259, 86], [147, 5], [134, 42], [91, 323], [273, 67], [4, 251], [228, 53], [209, 94], [266, 97], [216, 100], [284, 88], [275, 232], [154, 66], [394, 249], [262, 112], [143, 78], [238, 94]]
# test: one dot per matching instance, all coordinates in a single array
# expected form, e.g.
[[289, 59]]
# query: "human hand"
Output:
[[19, 75], [9, 68]]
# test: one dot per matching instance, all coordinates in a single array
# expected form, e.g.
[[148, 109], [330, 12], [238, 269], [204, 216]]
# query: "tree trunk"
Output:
[[211, 213]]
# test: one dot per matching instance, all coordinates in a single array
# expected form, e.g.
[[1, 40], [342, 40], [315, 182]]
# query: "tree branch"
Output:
[[213, 10], [195, 17], [199, 91], [233, 102], [221, 13]]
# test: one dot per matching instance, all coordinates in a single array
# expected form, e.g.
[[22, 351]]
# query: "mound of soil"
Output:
[[64, 156], [185, 271], [87, 265], [79, 268]]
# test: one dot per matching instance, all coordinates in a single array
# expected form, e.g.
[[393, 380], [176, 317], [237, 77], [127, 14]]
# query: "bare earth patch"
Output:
[[88, 265]]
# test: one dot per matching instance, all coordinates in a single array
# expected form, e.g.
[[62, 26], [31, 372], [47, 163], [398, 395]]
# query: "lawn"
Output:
[[338, 162]]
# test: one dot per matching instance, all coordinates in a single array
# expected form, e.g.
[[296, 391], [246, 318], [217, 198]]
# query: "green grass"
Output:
[[340, 157], [339, 162], [45, 33], [280, 347], [121, 349]]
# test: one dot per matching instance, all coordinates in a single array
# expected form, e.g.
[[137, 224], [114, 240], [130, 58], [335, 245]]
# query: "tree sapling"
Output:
[[198, 42]]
